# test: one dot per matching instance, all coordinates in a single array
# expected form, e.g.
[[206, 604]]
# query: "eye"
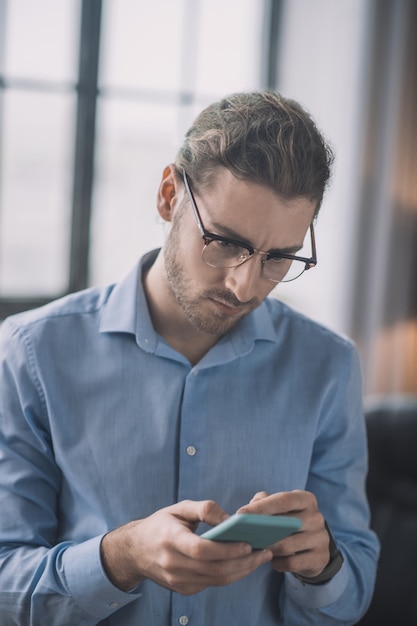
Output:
[[277, 260], [223, 243], [228, 249]]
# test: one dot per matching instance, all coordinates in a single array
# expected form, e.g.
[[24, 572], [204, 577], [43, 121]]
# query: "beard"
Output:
[[184, 289]]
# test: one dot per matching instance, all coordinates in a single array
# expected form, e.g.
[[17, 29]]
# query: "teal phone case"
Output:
[[260, 531]]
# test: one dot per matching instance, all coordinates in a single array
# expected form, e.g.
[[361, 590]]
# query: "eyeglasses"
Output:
[[222, 252]]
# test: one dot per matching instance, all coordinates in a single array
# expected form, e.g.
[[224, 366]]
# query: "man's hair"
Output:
[[260, 137]]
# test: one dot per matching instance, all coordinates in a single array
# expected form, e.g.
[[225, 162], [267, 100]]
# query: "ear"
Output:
[[168, 193]]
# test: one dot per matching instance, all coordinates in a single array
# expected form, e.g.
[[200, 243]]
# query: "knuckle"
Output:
[[171, 580], [318, 519], [166, 563], [207, 507], [195, 551]]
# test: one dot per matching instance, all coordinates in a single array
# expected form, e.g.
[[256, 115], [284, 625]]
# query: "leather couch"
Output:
[[392, 491]]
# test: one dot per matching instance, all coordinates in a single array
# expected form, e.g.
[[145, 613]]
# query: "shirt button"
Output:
[[195, 372], [183, 620], [191, 451], [113, 605]]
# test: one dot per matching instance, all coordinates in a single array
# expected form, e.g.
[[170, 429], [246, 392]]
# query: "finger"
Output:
[[309, 563], [201, 549], [224, 571], [260, 495], [207, 511], [283, 503], [228, 571], [191, 576]]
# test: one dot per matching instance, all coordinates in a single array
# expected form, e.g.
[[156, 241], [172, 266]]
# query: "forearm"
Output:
[[116, 556], [340, 601], [62, 586]]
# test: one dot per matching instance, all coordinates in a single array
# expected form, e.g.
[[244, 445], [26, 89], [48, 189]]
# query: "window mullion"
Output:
[[85, 142], [272, 19]]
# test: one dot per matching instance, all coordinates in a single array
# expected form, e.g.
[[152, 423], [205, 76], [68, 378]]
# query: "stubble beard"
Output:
[[214, 324]]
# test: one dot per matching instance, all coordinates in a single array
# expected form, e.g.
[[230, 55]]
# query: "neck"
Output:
[[168, 318]]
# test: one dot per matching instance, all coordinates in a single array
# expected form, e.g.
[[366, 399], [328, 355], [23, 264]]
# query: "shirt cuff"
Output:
[[317, 596], [88, 583]]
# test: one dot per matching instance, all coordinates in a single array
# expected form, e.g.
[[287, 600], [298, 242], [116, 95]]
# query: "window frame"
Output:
[[87, 94]]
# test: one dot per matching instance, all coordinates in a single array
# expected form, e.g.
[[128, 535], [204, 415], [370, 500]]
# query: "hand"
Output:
[[305, 552], [165, 549]]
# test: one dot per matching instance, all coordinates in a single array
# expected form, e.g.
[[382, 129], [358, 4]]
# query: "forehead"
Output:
[[253, 212]]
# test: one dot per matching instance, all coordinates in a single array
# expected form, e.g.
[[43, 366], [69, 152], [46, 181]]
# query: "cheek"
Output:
[[269, 289], [210, 276], [265, 288], [201, 271]]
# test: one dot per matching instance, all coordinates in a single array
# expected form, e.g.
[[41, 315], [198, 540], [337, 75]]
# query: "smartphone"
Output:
[[260, 531]]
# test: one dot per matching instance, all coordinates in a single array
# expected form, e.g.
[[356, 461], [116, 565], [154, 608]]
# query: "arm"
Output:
[[337, 480], [42, 579], [47, 579]]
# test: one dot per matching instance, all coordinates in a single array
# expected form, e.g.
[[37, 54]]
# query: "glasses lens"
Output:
[[283, 270], [224, 254]]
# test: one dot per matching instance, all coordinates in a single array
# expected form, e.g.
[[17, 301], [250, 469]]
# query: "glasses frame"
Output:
[[208, 237]]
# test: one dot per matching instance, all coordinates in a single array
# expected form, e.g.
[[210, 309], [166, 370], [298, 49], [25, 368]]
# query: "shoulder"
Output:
[[64, 311], [297, 330]]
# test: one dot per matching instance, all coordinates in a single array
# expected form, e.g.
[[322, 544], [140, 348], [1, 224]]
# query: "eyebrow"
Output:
[[229, 233]]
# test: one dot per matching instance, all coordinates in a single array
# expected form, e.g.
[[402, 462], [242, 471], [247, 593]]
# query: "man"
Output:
[[135, 417]]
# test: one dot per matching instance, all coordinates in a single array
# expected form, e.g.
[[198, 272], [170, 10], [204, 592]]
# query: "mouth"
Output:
[[228, 309]]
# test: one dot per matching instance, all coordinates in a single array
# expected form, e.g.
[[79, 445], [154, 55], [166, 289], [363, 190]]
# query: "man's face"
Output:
[[213, 300]]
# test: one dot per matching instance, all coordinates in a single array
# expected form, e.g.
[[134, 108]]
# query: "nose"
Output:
[[243, 281]]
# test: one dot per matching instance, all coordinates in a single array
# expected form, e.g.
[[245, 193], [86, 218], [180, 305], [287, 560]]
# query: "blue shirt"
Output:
[[102, 422]]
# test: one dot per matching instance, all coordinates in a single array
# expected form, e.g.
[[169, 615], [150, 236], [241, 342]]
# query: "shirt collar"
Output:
[[126, 310], [255, 326]]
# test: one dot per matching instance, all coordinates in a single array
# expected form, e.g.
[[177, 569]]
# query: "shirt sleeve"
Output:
[[42, 580], [337, 478]]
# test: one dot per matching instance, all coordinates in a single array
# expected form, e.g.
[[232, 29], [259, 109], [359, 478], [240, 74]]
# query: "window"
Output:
[[94, 98], [38, 67]]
